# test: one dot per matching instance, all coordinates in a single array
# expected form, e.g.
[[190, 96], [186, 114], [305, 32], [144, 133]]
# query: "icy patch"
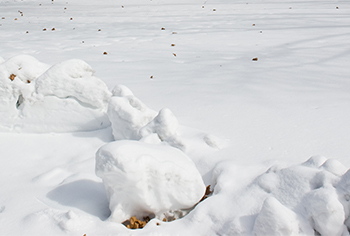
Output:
[[143, 179], [63, 98]]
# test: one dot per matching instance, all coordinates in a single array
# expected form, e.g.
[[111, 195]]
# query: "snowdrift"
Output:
[[66, 97]]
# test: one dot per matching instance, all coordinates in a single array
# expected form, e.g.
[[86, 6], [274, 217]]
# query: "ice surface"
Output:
[[143, 179]]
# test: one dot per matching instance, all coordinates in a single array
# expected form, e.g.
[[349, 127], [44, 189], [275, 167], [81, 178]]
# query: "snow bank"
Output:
[[143, 179], [63, 98]]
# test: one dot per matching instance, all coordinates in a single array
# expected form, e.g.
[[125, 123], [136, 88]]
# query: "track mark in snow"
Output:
[[52, 177]]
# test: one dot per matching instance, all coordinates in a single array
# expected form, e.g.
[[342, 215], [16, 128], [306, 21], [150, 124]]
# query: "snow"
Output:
[[74, 79], [127, 114], [62, 98], [269, 135], [143, 179]]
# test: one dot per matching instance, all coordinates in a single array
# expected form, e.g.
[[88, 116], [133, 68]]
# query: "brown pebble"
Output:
[[104, 53], [174, 54], [12, 77], [173, 45], [44, 29], [255, 59], [162, 28], [53, 29]]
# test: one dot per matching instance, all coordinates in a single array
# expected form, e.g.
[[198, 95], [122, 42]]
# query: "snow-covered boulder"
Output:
[[127, 114], [16, 75], [74, 79], [143, 179], [275, 219], [63, 98], [325, 212], [302, 198]]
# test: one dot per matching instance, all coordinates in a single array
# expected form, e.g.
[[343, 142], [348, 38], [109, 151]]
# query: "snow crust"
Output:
[[144, 179]]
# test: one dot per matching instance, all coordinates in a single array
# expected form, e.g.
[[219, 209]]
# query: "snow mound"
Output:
[[276, 219], [63, 98], [143, 179], [16, 74], [310, 192], [132, 120], [127, 114], [74, 79]]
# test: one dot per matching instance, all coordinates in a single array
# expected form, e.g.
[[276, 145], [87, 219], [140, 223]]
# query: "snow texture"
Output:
[[144, 179]]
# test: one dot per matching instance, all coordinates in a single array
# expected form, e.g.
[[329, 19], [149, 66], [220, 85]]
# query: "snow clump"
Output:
[[142, 179]]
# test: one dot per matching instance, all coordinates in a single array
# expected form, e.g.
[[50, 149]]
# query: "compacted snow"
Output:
[[116, 109]]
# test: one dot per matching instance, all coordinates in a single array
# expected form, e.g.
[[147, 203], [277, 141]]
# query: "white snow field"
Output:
[[162, 98]]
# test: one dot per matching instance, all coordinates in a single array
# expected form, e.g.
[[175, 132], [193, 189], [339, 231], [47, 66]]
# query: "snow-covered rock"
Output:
[[143, 179], [16, 75], [164, 124], [63, 98], [127, 114], [325, 212], [276, 219], [74, 79]]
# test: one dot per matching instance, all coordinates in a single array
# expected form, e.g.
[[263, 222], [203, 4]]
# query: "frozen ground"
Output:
[[261, 120]]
